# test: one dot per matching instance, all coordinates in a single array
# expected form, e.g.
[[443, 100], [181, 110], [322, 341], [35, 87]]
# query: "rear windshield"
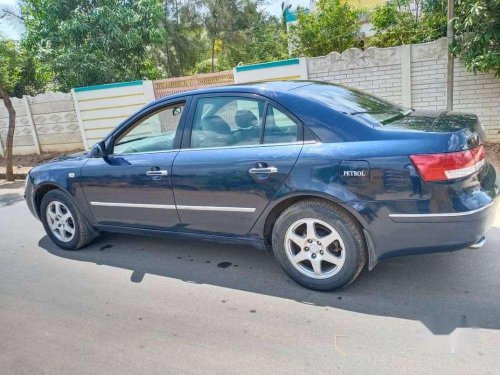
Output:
[[354, 102]]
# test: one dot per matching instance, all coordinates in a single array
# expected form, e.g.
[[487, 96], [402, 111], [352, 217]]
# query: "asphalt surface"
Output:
[[129, 304]]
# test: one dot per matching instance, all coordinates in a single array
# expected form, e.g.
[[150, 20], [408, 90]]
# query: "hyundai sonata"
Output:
[[330, 178]]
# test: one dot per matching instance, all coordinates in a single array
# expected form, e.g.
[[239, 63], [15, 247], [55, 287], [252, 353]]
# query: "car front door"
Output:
[[132, 186], [236, 153]]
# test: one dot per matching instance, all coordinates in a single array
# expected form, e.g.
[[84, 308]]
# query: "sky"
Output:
[[5, 30], [272, 6]]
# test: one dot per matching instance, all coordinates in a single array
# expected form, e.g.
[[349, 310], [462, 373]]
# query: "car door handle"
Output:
[[161, 172], [265, 170]]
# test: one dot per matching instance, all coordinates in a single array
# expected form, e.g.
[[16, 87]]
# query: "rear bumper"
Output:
[[427, 233]]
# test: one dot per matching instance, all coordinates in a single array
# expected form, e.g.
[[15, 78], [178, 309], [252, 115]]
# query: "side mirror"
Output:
[[176, 111], [98, 150]]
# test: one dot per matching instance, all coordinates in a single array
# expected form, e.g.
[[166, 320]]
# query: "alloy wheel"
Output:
[[60, 220], [315, 248]]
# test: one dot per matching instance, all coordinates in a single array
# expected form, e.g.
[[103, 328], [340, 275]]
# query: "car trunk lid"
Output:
[[465, 129], [463, 154]]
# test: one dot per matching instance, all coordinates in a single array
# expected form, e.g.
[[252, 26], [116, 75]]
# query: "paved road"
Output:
[[133, 304]]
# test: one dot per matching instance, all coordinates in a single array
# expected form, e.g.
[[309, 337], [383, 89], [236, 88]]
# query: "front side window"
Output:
[[227, 121], [154, 133]]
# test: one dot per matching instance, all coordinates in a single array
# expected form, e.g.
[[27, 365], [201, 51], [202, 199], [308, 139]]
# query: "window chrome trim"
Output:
[[144, 153], [173, 207], [216, 148], [451, 214], [248, 146]]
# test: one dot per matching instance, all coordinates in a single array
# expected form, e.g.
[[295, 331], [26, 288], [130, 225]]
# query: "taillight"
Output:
[[479, 155], [442, 167]]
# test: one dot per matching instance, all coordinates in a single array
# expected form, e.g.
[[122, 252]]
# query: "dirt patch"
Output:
[[21, 164], [493, 154]]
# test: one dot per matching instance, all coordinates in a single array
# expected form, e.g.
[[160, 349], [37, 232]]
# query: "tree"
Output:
[[240, 32], [10, 74], [400, 22], [220, 23], [95, 42], [477, 28], [261, 34], [20, 74], [184, 43], [267, 40], [335, 26]]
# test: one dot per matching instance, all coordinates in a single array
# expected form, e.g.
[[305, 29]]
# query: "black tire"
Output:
[[83, 235], [346, 226]]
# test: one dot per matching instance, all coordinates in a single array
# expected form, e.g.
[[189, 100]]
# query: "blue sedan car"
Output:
[[330, 178]]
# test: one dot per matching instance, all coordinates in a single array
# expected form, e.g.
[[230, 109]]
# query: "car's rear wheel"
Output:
[[319, 245], [63, 221]]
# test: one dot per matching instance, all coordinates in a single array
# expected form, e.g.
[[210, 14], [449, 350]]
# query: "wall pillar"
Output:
[[235, 75], [304, 74], [79, 119], [32, 124], [406, 75], [149, 92]]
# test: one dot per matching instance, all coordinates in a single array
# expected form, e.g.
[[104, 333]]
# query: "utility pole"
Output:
[[450, 35]]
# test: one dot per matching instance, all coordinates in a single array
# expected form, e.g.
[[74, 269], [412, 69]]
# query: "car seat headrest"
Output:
[[245, 119], [215, 124]]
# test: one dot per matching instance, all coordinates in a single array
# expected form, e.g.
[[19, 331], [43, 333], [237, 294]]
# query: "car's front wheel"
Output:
[[319, 245], [63, 221]]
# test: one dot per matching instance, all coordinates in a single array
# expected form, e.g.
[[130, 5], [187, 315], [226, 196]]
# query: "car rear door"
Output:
[[230, 165], [132, 186]]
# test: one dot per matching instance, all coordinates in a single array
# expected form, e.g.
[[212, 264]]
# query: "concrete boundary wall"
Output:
[[44, 123], [25, 139], [272, 71], [100, 109], [55, 122], [480, 94], [412, 75], [415, 76]]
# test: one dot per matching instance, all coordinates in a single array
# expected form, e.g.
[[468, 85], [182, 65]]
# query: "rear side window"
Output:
[[238, 121], [354, 102], [227, 121], [279, 127]]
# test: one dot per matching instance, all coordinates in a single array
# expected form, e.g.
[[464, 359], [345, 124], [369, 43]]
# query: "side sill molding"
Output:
[[173, 207], [215, 208], [134, 205]]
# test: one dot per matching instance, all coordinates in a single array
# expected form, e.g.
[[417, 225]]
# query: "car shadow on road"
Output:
[[10, 198], [444, 291], [7, 185]]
